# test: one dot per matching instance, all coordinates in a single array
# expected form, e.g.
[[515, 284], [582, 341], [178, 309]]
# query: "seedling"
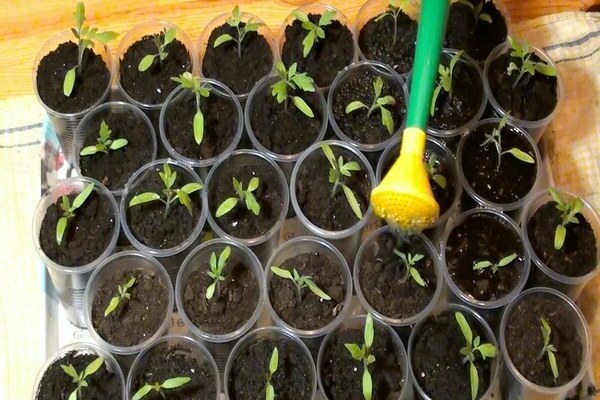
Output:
[[379, 103], [123, 296], [363, 353], [80, 379], [315, 31], [444, 80], [68, 210], [86, 37], [290, 78], [105, 143], [189, 82], [273, 364], [496, 139], [477, 10], [300, 282], [337, 173], [569, 210], [410, 261], [433, 170], [216, 271], [521, 51], [243, 196], [235, 21], [549, 348], [395, 7], [161, 41], [171, 383], [168, 177], [483, 265], [486, 350]]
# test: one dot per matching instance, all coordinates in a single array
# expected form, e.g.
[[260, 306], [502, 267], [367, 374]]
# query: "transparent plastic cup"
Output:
[[263, 245], [516, 384], [269, 332], [493, 390], [89, 127], [121, 262], [70, 282], [358, 322], [569, 285], [220, 345], [65, 124], [82, 349], [182, 345], [535, 128]]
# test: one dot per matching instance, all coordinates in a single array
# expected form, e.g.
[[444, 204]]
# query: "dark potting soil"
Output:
[[87, 235], [532, 99], [135, 320], [147, 221], [241, 222], [484, 238], [308, 311], [376, 41], [283, 128], [342, 375], [90, 84], [56, 384], [327, 57], [291, 381], [578, 256], [386, 282], [155, 84], [359, 125], [234, 300], [162, 363], [477, 37], [313, 192], [115, 168], [220, 126], [438, 364], [457, 108], [242, 72], [509, 183], [524, 341]]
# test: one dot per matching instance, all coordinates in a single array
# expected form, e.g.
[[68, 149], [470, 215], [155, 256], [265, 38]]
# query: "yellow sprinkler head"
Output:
[[404, 197]]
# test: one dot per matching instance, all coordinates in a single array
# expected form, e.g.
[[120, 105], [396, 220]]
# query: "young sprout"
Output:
[[291, 78], [216, 271], [235, 21], [168, 178], [477, 10], [80, 379], [482, 265], [273, 364], [379, 103], [121, 297], [496, 139], [340, 169], [86, 37], [243, 196], [569, 212], [105, 143], [431, 166], [363, 353], [191, 83], [486, 350], [68, 210], [300, 282], [444, 80], [521, 51], [171, 383], [395, 7], [549, 348], [161, 41], [315, 31], [410, 261]]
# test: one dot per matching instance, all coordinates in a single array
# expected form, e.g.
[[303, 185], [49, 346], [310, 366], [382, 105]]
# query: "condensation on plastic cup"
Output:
[[127, 261], [70, 282]]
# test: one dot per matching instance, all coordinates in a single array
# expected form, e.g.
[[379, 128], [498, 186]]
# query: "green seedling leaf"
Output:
[[82, 197], [225, 207], [369, 331], [69, 82], [300, 282], [146, 62], [549, 349], [355, 351], [222, 39], [112, 306], [464, 327], [118, 144], [318, 292], [302, 106], [144, 390], [61, 226], [354, 106], [70, 370], [274, 362], [282, 273], [474, 378], [352, 201], [367, 384], [175, 382], [143, 198], [198, 127], [270, 392], [521, 155], [184, 199]]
